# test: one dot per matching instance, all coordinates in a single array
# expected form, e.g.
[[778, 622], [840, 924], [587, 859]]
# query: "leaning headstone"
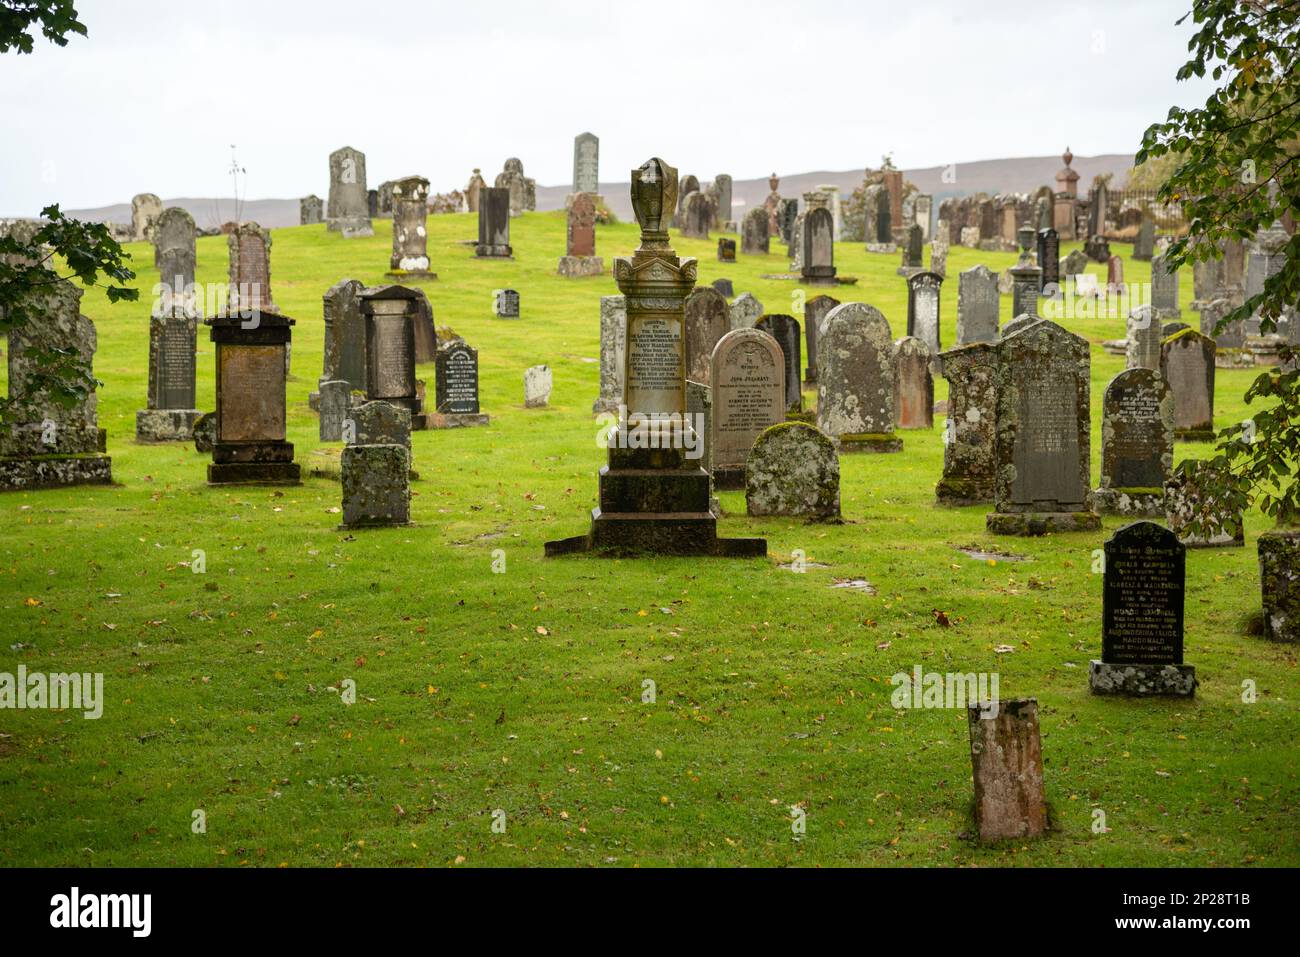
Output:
[[793, 470], [1164, 288], [855, 379], [348, 209], [1190, 500], [977, 305], [410, 258], [818, 264], [46, 442], [145, 210], [969, 433], [1007, 765], [586, 163], [537, 387], [1137, 444], [580, 257], [754, 238], [493, 224], [456, 387], [913, 384], [745, 310], [1075, 264], [249, 246], [1144, 339], [390, 314], [785, 330], [748, 382], [249, 445], [1187, 361], [505, 303], [613, 327], [923, 308], [1142, 615], [814, 311], [1043, 433], [707, 321], [311, 210]]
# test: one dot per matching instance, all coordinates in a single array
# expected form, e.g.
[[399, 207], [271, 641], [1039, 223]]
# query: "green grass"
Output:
[[522, 691]]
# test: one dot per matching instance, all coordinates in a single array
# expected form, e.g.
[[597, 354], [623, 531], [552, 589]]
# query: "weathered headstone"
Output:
[[311, 210], [580, 257], [505, 303], [613, 329], [376, 486], [814, 311], [1164, 288], [785, 330], [493, 224], [1187, 361], [912, 252], [1279, 574], [537, 387], [473, 191], [1190, 500], [1007, 765], [707, 321], [145, 210], [754, 237], [1049, 259], [923, 308], [390, 314], [1232, 336], [855, 379], [722, 218], [1026, 277], [1114, 275], [1043, 434], [696, 215], [521, 189], [1144, 339], [249, 246], [170, 412], [345, 335], [410, 207], [977, 305], [348, 208], [174, 255], [748, 383], [1142, 615], [793, 470], [969, 436], [818, 265], [725, 287], [1137, 444], [586, 163], [726, 250], [1145, 244], [745, 310], [1075, 264], [456, 387], [913, 384]]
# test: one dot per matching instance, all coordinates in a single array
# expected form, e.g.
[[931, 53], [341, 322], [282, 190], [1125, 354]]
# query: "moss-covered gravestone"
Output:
[[410, 257], [1279, 573], [376, 466], [1201, 517], [793, 470], [855, 379], [1137, 444], [1187, 361], [969, 432]]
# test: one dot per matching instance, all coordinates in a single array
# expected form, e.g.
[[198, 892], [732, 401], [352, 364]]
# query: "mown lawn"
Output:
[[522, 691]]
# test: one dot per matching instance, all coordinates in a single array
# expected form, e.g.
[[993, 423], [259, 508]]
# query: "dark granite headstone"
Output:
[[1137, 443], [785, 330], [493, 223], [726, 250], [1049, 258], [456, 369], [724, 286]]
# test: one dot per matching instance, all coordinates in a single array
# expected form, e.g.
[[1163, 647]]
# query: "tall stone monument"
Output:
[[493, 224], [410, 258], [348, 208], [970, 432], [169, 414], [586, 163]]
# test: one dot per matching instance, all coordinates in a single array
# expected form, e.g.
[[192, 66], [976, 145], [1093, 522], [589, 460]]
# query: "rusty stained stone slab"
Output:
[[252, 393]]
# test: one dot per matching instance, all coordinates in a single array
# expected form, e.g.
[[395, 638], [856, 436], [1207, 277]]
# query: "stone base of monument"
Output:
[[729, 478], [882, 248], [1115, 347], [1141, 681], [1148, 503], [818, 276], [253, 463], [23, 473], [1279, 575], [580, 267], [165, 425], [351, 228], [455, 420], [484, 251], [782, 276], [1233, 358], [1031, 524], [1194, 435], [402, 275], [956, 492], [869, 442]]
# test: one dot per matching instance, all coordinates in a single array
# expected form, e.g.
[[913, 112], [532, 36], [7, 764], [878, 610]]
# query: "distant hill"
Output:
[[1023, 175]]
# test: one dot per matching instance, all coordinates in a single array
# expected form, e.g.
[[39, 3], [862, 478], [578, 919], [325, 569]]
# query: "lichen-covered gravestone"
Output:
[[348, 207], [747, 377], [249, 248], [1137, 444], [1144, 339], [793, 469], [410, 258], [1190, 502], [814, 311], [695, 215], [754, 238], [1043, 434], [521, 191], [1142, 615], [707, 321], [969, 432], [311, 210], [1007, 769], [923, 308], [745, 311], [913, 384], [376, 467], [537, 387], [1187, 361], [613, 325], [818, 251], [785, 330], [169, 412], [855, 379], [1279, 573], [977, 305], [1164, 288]]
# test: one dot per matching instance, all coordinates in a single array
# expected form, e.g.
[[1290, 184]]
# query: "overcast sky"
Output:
[[156, 95]]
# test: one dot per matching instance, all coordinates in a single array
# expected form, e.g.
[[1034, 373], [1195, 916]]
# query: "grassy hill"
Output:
[[522, 691]]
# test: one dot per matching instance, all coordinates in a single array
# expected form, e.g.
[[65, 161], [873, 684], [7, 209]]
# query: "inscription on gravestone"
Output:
[[456, 369], [1142, 604]]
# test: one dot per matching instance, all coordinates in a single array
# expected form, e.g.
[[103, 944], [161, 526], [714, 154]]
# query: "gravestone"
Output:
[[334, 403], [1232, 336], [586, 163], [912, 255], [522, 190], [977, 305], [1026, 277], [1142, 615], [970, 431], [1144, 339], [410, 207], [311, 210], [473, 191], [493, 224], [785, 330], [745, 310], [1007, 768], [345, 335], [249, 246], [689, 184], [754, 237], [707, 321], [913, 384], [505, 303], [613, 326], [379, 423], [923, 308], [939, 254], [169, 414], [699, 406], [1279, 557], [818, 265], [787, 214], [1190, 499], [923, 209], [1164, 289], [749, 395], [372, 203], [390, 314], [376, 486], [456, 396], [537, 387], [145, 210], [814, 311], [46, 442], [1114, 275], [793, 470], [725, 287], [1049, 259], [1042, 445], [174, 255], [426, 336], [1145, 245], [1137, 444], [726, 250], [580, 257], [696, 215], [722, 216], [655, 496], [249, 446], [1075, 264], [855, 379], [1187, 361], [348, 208]]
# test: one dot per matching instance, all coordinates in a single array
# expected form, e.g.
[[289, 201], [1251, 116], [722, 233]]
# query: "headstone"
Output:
[[505, 303], [939, 254], [785, 330], [580, 257], [426, 336], [695, 216], [722, 183], [1145, 244], [1190, 500], [855, 379], [793, 470], [45, 441], [372, 203], [1142, 615], [493, 224], [969, 433], [537, 387], [745, 310], [1144, 339], [1279, 559], [814, 311], [522, 190], [923, 308], [348, 209], [345, 335], [977, 305], [1007, 764], [754, 239], [1187, 361], [787, 213], [390, 313], [913, 384], [145, 210], [1164, 288], [376, 486], [726, 250], [707, 320], [1232, 336], [473, 191], [912, 257], [586, 163], [249, 246], [1026, 277], [725, 287], [174, 254], [456, 387], [923, 209], [170, 412], [613, 328], [699, 403], [311, 210], [410, 209], [818, 265], [1137, 444], [689, 184], [1075, 264], [379, 423], [335, 404], [250, 446], [749, 395], [1114, 275], [1043, 433], [1049, 258]]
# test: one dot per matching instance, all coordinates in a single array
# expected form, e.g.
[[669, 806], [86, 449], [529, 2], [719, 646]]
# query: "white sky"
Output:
[[153, 99]]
